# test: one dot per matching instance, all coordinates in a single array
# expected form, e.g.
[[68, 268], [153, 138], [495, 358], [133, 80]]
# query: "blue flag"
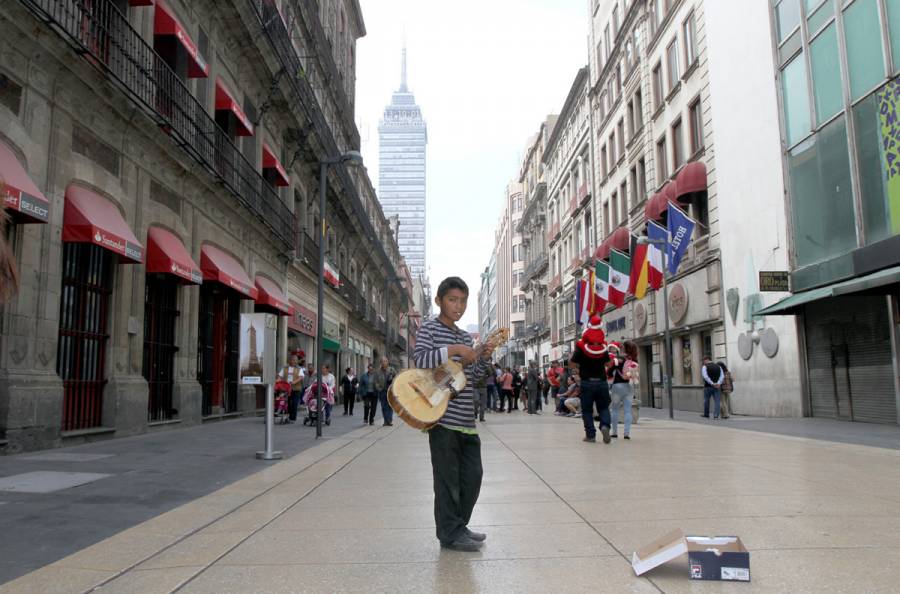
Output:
[[681, 229]]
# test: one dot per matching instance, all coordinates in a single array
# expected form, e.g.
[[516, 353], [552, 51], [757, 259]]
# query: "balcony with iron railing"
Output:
[[101, 33], [536, 264], [554, 285], [584, 192], [305, 102]]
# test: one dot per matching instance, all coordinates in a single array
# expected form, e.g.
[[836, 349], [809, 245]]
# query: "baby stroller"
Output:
[[282, 393], [309, 399]]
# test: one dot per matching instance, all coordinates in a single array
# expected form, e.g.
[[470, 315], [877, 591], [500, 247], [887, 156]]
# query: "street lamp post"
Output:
[[667, 336], [349, 158]]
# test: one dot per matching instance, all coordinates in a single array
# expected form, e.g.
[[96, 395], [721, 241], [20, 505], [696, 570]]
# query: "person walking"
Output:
[[713, 376], [481, 394], [370, 399], [517, 383], [545, 386], [348, 390], [553, 380], [382, 379], [727, 388], [490, 384], [506, 390], [294, 375], [533, 387], [621, 391], [591, 357]]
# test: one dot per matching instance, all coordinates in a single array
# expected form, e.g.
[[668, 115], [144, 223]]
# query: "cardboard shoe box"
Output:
[[709, 557]]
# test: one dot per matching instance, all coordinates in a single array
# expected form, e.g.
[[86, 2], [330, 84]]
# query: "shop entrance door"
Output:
[[218, 349], [849, 358]]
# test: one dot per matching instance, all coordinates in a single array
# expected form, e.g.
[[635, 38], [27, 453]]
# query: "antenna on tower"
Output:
[[403, 88]]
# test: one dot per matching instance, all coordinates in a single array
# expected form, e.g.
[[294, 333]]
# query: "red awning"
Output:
[[658, 205], [221, 267], [165, 23], [91, 218], [271, 295], [166, 254], [20, 195], [270, 161], [225, 102], [620, 239], [691, 179]]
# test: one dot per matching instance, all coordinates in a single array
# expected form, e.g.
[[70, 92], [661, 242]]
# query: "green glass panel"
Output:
[[877, 123], [787, 15], [811, 5], [893, 18], [865, 57], [818, 18], [795, 92], [823, 224], [823, 53]]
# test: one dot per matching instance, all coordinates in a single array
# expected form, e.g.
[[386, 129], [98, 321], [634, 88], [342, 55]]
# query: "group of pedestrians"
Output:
[[371, 387], [718, 384], [504, 389]]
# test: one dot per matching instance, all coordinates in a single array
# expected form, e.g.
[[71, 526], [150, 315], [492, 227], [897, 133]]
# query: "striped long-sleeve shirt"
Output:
[[432, 341]]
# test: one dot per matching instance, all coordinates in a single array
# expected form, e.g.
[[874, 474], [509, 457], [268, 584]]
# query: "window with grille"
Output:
[[160, 314], [83, 318]]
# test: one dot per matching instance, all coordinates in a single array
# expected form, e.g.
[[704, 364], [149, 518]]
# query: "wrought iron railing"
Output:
[[304, 99], [536, 264], [100, 32]]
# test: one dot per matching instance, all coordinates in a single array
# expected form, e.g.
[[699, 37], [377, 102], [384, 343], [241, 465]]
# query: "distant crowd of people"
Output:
[[296, 384]]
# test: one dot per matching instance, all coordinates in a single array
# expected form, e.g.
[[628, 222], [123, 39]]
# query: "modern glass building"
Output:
[[402, 138], [838, 65]]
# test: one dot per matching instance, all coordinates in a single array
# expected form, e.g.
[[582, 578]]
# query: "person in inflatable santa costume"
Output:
[[592, 356]]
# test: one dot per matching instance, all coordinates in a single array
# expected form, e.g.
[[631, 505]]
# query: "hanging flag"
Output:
[[655, 253], [681, 228], [589, 289], [601, 286], [619, 269], [582, 302], [638, 278]]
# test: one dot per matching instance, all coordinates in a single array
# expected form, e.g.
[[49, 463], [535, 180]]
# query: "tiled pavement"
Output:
[[354, 514]]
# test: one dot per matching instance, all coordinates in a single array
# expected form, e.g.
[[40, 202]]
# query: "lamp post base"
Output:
[[269, 455]]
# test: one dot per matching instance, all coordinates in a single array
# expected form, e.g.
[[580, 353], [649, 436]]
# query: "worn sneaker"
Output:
[[590, 439], [627, 437], [463, 543], [605, 432], [476, 536]]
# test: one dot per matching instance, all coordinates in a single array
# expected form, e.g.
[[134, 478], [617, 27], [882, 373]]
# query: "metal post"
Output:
[[668, 341], [387, 318], [320, 328], [269, 453]]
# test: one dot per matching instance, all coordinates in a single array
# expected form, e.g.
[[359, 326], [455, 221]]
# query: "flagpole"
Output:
[[668, 344]]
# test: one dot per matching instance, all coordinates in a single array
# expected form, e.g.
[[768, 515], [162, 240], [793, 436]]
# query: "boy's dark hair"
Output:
[[347, 370], [452, 282]]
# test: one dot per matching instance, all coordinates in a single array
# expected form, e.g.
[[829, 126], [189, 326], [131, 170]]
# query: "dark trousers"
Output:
[[293, 401], [370, 403], [349, 399], [714, 393], [517, 393], [386, 412], [594, 392], [506, 396], [456, 465], [534, 400]]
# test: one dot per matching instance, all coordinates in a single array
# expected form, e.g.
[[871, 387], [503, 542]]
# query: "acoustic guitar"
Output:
[[420, 396]]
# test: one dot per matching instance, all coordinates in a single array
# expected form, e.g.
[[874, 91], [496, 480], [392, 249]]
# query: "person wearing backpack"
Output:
[[727, 388]]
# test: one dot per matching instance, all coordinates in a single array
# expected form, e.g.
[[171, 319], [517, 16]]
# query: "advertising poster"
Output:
[[253, 345]]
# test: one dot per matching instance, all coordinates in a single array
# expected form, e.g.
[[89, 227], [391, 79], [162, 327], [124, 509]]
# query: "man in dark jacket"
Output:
[[533, 387], [382, 378]]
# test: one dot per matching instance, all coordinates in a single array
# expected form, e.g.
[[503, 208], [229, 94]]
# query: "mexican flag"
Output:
[[601, 286], [619, 277]]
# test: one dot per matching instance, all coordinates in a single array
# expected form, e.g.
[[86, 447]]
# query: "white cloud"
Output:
[[486, 73]]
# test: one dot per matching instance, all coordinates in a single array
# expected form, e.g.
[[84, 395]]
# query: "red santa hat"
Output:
[[593, 340]]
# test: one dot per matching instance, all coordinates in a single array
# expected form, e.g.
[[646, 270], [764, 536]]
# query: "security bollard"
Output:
[[269, 454]]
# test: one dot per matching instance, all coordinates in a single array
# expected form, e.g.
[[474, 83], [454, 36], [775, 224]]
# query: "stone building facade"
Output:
[[172, 148]]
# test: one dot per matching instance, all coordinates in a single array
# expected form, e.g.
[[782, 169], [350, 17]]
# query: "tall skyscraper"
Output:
[[402, 137]]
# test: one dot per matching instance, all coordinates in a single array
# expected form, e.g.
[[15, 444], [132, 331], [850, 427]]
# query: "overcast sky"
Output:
[[486, 73]]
